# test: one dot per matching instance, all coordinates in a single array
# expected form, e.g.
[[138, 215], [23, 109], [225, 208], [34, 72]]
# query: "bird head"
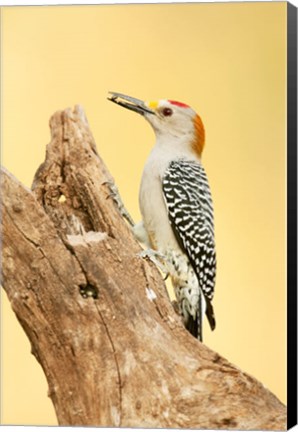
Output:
[[168, 118]]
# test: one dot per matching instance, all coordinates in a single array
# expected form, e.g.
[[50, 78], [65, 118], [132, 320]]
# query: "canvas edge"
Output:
[[291, 215]]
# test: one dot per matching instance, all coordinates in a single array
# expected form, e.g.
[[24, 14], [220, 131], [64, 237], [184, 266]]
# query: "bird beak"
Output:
[[130, 103]]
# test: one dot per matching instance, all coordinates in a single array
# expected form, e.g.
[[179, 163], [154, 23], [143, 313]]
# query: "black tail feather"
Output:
[[210, 314], [194, 327]]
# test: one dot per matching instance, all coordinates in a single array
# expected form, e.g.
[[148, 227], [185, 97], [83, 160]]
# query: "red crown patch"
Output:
[[179, 104]]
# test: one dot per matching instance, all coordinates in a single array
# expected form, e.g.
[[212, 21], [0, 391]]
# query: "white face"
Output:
[[174, 123], [171, 119]]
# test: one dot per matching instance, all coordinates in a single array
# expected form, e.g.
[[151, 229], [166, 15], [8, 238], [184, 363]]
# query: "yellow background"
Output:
[[228, 61]]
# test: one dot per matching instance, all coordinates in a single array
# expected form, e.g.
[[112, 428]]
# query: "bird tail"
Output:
[[194, 322], [210, 314], [194, 326], [192, 310]]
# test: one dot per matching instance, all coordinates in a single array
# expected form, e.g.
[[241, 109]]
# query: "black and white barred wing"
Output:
[[189, 202]]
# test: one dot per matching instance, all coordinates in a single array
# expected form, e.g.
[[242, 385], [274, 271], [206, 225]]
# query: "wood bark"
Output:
[[98, 316]]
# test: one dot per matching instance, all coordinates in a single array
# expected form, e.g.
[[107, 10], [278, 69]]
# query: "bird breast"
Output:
[[152, 202]]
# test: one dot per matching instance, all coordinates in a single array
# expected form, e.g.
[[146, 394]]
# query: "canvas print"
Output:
[[147, 175]]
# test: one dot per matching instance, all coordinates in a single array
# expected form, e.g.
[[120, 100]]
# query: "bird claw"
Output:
[[166, 276], [155, 257], [115, 195]]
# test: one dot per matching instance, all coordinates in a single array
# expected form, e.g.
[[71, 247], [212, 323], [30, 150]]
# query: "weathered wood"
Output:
[[98, 316]]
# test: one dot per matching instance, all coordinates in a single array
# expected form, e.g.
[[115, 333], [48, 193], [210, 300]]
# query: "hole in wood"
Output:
[[88, 291]]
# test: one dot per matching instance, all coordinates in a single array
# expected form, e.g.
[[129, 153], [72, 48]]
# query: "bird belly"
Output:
[[185, 284]]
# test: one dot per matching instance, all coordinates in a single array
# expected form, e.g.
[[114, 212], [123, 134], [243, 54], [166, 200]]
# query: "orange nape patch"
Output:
[[199, 139]]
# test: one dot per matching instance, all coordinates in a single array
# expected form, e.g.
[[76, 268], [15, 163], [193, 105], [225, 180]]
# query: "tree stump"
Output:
[[98, 316]]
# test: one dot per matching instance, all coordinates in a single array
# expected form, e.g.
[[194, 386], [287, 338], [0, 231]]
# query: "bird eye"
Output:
[[167, 112]]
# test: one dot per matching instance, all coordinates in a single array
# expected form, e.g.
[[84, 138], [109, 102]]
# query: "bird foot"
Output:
[[115, 195], [157, 258]]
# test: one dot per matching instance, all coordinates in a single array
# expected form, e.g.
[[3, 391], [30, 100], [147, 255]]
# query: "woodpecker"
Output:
[[176, 205]]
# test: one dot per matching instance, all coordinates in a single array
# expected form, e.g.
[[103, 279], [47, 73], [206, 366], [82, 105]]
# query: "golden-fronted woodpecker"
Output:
[[176, 205]]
